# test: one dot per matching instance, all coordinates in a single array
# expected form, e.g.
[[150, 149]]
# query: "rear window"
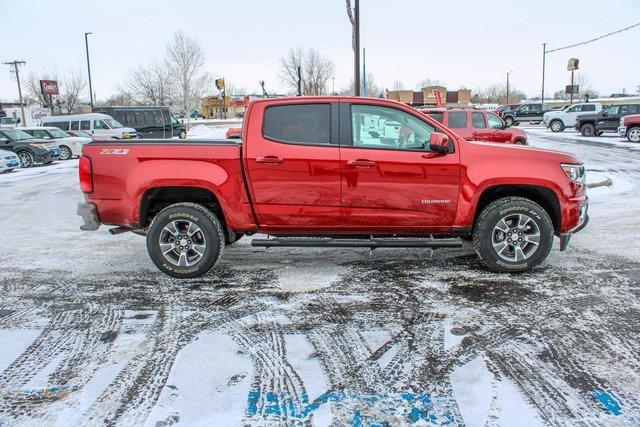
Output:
[[300, 124], [85, 125], [60, 125], [589, 107], [457, 119], [437, 116]]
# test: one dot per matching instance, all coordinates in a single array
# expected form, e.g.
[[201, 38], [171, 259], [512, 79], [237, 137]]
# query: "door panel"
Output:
[[295, 178], [398, 190]]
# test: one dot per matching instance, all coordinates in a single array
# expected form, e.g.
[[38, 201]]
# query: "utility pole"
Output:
[[508, 86], [333, 86], [544, 58], [364, 72], [15, 67], [299, 80], [86, 45], [356, 49]]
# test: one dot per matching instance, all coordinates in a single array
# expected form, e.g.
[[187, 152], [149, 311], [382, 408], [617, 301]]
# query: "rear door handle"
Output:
[[361, 163], [270, 159]]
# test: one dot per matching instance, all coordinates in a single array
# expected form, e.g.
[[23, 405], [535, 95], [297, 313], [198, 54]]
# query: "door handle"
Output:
[[361, 163], [273, 160]]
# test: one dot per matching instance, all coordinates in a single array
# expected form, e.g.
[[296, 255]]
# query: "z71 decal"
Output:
[[121, 151]]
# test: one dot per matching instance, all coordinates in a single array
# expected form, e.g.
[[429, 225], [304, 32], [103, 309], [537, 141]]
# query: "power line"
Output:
[[595, 39]]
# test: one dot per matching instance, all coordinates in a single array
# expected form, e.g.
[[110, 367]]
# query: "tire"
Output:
[[633, 134], [488, 241], [556, 126], [182, 134], [509, 120], [65, 153], [26, 159], [183, 261], [519, 142], [587, 129]]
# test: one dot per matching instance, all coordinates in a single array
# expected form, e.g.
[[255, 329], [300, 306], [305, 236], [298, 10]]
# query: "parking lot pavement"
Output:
[[92, 333]]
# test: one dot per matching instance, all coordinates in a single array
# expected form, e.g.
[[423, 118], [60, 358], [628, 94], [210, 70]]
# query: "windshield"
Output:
[[112, 123], [17, 135], [59, 133]]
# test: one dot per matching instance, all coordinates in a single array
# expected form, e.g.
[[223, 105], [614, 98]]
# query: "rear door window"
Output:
[[477, 120], [457, 119], [588, 107], [75, 125], [85, 125], [298, 124], [59, 125]]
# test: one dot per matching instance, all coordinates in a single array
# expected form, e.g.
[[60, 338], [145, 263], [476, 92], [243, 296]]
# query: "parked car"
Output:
[[195, 114], [607, 120], [630, 127], [29, 149], [233, 133], [317, 168], [558, 120], [8, 161], [505, 108], [70, 146], [532, 112], [96, 124], [149, 122], [477, 125]]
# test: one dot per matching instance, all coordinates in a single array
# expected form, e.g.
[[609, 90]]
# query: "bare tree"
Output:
[[316, 70], [397, 85], [584, 84], [185, 62], [429, 82], [497, 94], [373, 90], [231, 89], [70, 86], [149, 84]]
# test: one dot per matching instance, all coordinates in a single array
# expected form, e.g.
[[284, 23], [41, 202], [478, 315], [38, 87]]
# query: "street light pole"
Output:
[[508, 86], [15, 67], [544, 58], [86, 44]]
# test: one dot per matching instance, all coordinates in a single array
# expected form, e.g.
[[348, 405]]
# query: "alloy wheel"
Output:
[[65, 153], [634, 135], [182, 243], [515, 237], [26, 159]]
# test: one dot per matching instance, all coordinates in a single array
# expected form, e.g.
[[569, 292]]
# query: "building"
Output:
[[233, 106], [426, 97]]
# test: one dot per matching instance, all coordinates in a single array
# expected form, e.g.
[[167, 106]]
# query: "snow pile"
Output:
[[207, 132]]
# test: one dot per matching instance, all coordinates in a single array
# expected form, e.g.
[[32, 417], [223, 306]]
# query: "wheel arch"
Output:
[[543, 196]]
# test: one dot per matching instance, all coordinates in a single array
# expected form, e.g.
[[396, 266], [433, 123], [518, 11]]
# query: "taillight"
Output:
[[85, 174]]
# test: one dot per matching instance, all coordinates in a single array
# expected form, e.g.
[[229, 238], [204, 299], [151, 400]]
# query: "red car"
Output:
[[233, 133], [630, 127], [477, 125], [334, 172]]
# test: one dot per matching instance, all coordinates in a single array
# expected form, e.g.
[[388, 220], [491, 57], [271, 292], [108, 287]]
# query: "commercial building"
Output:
[[427, 97]]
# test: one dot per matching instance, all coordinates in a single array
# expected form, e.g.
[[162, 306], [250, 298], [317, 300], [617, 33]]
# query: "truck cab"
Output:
[[607, 120], [532, 112]]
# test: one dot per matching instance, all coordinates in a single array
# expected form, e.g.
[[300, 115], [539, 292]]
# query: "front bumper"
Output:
[[89, 215], [622, 131], [583, 220]]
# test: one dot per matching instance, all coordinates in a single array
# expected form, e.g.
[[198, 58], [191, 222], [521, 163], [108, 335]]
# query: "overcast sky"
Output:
[[462, 43]]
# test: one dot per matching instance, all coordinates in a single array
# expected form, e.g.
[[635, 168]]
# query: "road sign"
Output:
[[49, 87], [220, 84], [573, 64], [572, 89]]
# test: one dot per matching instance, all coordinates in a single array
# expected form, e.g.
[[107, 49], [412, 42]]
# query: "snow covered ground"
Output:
[[91, 333]]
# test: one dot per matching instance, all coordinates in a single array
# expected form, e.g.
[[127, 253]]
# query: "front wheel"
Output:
[[182, 134], [65, 153], [633, 135], [513, 234], [26, 159], [509, 121], [185, 240]]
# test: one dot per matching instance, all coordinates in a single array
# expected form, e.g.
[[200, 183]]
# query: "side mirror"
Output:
[[374, 134], [605, 114], [439, 142]]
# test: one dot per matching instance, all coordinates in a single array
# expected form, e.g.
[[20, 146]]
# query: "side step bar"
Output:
[[373, 243]]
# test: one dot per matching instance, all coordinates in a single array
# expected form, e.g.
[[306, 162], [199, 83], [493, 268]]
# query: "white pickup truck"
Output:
[[560, 119]]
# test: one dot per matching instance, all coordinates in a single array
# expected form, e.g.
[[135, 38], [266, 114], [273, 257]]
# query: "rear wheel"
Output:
[[513, 234], [65, 153], [587, 129], [182, 134], [509, 120], [26, 159], [556, 126], [185, 240], [633, 134]]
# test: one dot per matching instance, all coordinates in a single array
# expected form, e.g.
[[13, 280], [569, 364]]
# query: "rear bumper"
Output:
[[89, 215]]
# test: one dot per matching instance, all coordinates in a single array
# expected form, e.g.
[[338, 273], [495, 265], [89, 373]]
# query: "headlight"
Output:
[[41, 146], [621, 121], [574, 172]]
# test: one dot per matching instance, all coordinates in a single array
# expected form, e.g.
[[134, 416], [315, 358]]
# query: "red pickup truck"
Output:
[[630, 127], [334, 172], [477, 125]]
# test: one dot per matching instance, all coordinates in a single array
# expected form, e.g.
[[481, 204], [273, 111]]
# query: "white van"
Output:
[[98, 125]]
